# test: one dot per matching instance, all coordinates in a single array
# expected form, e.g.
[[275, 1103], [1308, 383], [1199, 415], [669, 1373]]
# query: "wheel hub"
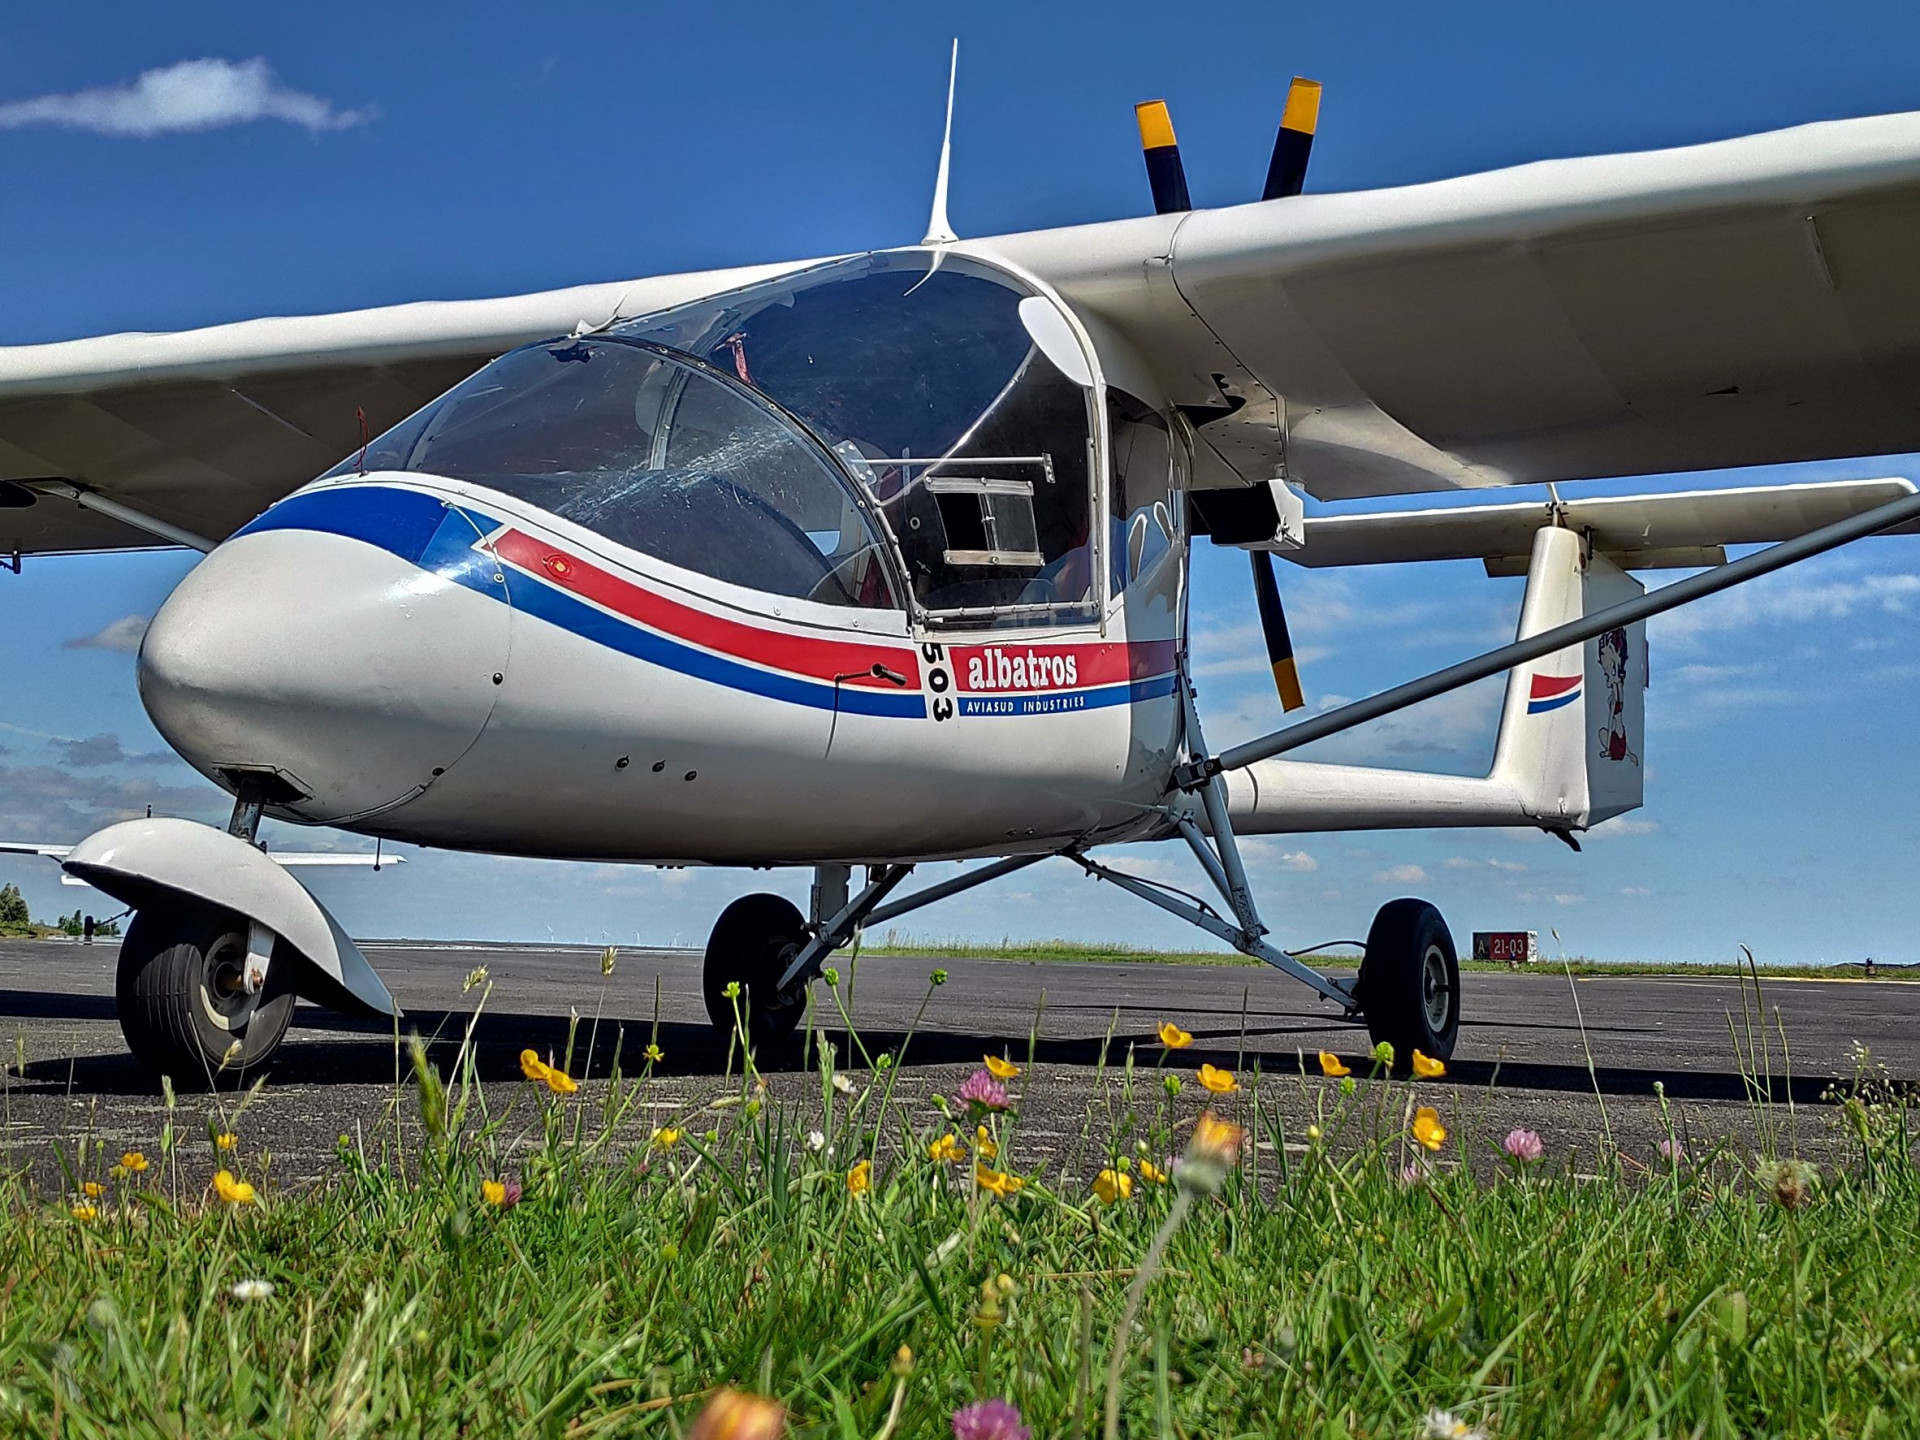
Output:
[[224, 997], [1436, 994]]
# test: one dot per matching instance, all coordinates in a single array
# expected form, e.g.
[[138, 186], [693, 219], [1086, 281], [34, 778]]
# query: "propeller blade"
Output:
[[1164, 171], [1273, 624], [1287, 171]]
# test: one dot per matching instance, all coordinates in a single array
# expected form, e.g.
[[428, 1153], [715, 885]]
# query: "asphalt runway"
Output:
[[1523, 1056]]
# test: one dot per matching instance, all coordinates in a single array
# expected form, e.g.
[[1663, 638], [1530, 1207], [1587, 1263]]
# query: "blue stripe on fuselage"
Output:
[[439, 536]]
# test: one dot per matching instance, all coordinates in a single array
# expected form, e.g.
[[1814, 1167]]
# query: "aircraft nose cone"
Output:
[[355, 669]]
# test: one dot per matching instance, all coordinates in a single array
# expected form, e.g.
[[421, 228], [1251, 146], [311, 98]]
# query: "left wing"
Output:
[[1746, 302]]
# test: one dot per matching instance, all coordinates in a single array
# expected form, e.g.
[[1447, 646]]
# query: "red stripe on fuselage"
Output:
[[796, 654], [1545, 687]]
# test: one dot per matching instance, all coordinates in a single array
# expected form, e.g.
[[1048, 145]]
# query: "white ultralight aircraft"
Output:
[[882, 560]]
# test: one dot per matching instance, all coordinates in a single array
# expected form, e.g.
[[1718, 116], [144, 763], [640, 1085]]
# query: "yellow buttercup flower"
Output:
[[860, 1178], [133, 1162], [1112, 1185], [654, 1053], [226, 1140], [1313, 1132], [1152, 1173], [232, 1191], [666, 1137], [1001, 1069], [1220, 1082], [84, 1213], [1173, 1037], [493, 1192], [983, 1143], [541, 1073], [946, 1149], [997, 1182], [93, 1189], [1332, 1066], [1428, 1068], [1427, 1128], [1216, 1139], [736, 1415]]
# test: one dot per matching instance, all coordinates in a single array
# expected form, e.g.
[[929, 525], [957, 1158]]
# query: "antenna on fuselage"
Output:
[[939, 231]]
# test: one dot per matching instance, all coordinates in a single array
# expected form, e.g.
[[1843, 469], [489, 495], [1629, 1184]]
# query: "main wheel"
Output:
[[753, 942], [1410, 982], [183, 1003]]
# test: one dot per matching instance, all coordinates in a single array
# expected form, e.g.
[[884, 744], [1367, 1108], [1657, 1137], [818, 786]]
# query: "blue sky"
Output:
[[437, 152]]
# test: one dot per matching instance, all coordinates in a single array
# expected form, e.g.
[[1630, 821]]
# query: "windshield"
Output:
[[659, 454], [929, 389]]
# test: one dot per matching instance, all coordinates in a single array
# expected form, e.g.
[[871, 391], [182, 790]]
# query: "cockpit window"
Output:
[[660, 454], [918, 372]]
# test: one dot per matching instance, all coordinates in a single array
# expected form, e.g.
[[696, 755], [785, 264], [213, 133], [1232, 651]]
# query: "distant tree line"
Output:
[[16, 919]]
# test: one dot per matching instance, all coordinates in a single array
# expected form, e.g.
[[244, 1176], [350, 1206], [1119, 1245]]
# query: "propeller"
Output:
[[1286, 174], [1273, 625], [1164, 171], [1287, 171]]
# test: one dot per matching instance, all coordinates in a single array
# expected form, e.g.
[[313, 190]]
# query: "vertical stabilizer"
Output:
[[1616, 702], [1571, 728]]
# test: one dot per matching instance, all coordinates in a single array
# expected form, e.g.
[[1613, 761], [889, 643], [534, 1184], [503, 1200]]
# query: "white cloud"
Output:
[[1635, 891], [1569, 900], [123, 635], [1792, 599], [1298, 861], [192, 95], [1400, 875]]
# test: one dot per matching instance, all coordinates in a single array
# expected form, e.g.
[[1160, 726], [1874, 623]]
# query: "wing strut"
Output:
[[1197, 773]]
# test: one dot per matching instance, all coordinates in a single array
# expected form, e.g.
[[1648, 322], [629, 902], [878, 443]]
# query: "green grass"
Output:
[[1320, 1294], [896, 942]]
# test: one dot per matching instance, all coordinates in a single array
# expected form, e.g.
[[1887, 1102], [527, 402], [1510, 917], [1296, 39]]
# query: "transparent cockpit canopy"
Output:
[[777, 436], [920, 372], [658, 453]]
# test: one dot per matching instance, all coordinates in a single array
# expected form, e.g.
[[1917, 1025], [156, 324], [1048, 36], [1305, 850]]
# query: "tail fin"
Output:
[[1568, 755], [1571, 730]]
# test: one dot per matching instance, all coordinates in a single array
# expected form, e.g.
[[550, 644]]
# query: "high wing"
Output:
[[1743, 302], [203, 429]]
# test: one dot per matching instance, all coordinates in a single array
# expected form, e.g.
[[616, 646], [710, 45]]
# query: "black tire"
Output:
[[753, 942], [180, 1006], [1410, 982]]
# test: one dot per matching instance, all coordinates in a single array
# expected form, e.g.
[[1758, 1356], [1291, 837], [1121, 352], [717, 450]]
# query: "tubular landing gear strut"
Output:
[[761, 943], [1408, 988]]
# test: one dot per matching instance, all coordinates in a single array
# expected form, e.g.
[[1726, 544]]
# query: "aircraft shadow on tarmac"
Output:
[[329, 1049]]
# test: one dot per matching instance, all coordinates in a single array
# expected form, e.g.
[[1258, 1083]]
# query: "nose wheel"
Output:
[[183, 1001], [752, 943], [1410, 981]]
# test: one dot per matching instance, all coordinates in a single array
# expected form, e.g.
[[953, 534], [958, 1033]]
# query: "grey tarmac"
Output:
[[1571, 1059]]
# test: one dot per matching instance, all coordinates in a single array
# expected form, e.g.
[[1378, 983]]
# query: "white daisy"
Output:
[[251, 1289], [1444, 1425]]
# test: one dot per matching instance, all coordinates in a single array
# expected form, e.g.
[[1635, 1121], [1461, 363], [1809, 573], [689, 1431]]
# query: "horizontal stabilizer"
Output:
[[1636, 532], [286, 859]]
